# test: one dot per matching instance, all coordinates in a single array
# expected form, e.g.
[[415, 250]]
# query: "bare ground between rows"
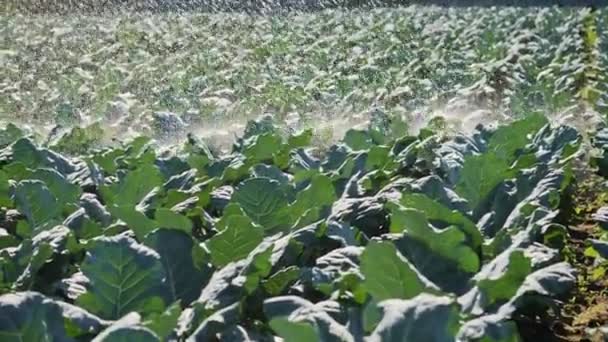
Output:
[[586, 307]]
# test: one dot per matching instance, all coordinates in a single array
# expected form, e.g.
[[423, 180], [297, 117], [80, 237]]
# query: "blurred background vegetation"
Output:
[[101, 6]]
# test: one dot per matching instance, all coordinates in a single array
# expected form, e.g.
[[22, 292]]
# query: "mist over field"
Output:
[[215, 71]]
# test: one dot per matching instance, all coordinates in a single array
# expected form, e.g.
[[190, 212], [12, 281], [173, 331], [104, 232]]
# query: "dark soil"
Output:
[[587, 306]]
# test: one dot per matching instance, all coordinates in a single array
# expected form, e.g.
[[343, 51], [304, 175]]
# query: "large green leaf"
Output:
[[235, 242], [450, 243], [24, 317], [339, 269], [301, 139], [294, 331], [127, 329], [133, 187], [258, 268], [379, 158], [10, 134], [124, 276], [320, 193], [142, 225], [5, 198], [29, 316], [553, 281], [422, 318], [389, 275], [41, 261], [264, 201], [489, 328], [40, 254], [480, 175], [216, 323], [262, 147], [127, 334], [34, 200], [184, 280], [358, 139], [166, 218], [497, 282], [26, 152], [276, 283], [299, 310], [164, 324], [237, 170], [437, 212], [177, 172], [139, 223], [508, 139], [272, 172], [62, 189], [505, 286]]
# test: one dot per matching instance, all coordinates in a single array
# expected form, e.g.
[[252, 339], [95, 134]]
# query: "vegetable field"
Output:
[[383, 237], [206, 68], [120, 221]]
